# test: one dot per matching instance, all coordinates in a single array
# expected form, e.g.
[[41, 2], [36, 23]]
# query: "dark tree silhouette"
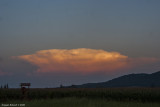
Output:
[[61, 86], [7, 86]]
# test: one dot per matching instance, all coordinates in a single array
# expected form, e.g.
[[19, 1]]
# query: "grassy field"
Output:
[[82, 102], [62, 97]]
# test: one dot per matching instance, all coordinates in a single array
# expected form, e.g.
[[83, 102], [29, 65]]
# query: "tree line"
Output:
[[5, 86]]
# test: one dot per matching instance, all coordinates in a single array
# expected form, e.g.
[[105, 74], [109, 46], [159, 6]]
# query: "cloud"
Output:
[[4, 73], [1, 18], [1, 73], [82, 60], [1, 59]]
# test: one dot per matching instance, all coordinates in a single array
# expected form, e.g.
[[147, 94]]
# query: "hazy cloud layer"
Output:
[[4, 73], [1, 73], [1, 59], [82, 60]]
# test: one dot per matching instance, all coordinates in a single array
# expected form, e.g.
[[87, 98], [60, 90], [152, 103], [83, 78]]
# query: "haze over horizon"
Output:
[[48, 43]]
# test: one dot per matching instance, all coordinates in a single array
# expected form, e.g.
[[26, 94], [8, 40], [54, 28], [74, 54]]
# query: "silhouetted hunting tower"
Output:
[[25, 84], [24, 89]]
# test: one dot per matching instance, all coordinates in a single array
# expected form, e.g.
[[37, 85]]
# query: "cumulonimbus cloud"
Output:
[[1, 73], [4, 73], [80, 60]]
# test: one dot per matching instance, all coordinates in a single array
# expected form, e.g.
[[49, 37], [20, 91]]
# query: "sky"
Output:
[[54, 42]]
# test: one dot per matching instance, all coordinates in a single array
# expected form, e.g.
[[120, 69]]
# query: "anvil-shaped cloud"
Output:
[[81, 60]]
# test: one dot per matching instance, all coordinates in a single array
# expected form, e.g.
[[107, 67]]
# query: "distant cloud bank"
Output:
[[82, 60]]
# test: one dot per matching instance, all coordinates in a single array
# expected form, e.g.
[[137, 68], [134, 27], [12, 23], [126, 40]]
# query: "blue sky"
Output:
[[130, 27]]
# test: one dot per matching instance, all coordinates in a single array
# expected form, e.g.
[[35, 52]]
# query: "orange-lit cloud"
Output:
[[3, 73], [80, 60]]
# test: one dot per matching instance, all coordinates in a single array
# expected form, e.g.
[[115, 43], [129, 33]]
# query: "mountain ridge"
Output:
[[129, 80]]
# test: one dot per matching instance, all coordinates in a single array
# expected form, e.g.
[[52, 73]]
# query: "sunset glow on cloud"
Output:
[[80, 60], [4, 73], [1, 73]]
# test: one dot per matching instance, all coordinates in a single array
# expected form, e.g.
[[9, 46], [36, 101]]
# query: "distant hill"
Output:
[[131, 80]]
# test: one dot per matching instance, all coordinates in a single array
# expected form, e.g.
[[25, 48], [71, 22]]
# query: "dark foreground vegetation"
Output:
[[112, 94], [81, 102]]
